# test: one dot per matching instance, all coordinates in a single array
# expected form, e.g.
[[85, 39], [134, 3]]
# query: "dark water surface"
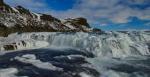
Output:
[[74, 63], [59, 58]]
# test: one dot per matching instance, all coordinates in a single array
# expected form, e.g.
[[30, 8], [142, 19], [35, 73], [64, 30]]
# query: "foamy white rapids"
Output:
[[9, 72], [114, 44]]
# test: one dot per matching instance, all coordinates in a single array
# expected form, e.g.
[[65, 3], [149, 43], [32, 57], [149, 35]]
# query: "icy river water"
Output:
[[112, 54]]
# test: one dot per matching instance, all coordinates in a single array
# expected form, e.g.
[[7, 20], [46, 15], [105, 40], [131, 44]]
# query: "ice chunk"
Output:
[[82, 74], [31, 59], [9, 72]]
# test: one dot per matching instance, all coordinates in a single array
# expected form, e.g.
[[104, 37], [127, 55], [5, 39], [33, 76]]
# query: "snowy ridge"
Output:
[[115, 44], [20, 19]]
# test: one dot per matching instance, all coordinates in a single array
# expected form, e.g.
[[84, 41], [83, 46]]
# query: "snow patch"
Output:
[[82, 74], [15, 9], [9, 72], [38, 16], [31, 59], [70, 26]]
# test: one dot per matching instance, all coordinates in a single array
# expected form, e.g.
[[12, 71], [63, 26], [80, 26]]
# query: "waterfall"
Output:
[[115, 44]]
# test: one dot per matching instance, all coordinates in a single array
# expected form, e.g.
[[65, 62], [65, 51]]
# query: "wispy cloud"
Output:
[[116, 11], [147, 24], [34, 5], [96, 11]]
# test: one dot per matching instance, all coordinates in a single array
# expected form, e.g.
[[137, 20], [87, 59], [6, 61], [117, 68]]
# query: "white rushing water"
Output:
[[113, 44], [118, 54]]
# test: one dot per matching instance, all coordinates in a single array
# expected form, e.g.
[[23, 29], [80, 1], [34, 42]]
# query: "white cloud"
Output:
[[147, 24], [111, 10], [103, 24], [96, 11], [137, 1], [35, 5]]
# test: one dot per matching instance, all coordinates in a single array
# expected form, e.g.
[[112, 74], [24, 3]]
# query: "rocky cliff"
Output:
[[19, 19]]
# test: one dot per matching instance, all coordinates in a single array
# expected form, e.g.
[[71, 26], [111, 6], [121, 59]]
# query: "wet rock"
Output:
[[9, 47]]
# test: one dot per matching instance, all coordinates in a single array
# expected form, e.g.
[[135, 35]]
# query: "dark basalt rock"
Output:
[[46, 17], [78, 22], [148, 44], [3, 29], [5, 8], [13, 46], [96, 30], [9, 47], [22, 10], [81, 21]]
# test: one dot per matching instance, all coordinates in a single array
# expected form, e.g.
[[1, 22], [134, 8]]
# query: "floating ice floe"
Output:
[[31, 59], [9, 72]]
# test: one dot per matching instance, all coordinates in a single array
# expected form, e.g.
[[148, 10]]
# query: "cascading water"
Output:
[[115, 44], [111, 54]]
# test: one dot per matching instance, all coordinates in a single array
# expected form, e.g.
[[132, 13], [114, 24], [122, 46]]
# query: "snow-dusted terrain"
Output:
[[20, 19]]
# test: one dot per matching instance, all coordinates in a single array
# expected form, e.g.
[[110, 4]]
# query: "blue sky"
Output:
[[103, 14]]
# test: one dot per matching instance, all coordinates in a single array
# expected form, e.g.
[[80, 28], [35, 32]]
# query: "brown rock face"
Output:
[[5, 8], [96, 30], [82, 21], [46, 17], [22, 10], [9, 47], [1, 5], [78, 22]]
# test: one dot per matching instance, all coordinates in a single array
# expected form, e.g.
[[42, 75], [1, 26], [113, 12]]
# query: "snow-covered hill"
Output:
[[19, 19]]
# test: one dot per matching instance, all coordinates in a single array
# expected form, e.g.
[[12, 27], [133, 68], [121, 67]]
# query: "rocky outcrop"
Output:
[[19, 19], [22, 10], [77, 24]]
